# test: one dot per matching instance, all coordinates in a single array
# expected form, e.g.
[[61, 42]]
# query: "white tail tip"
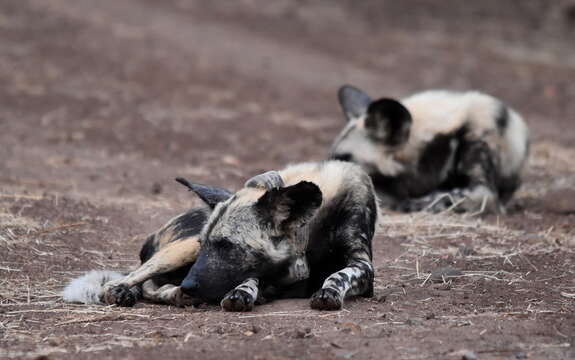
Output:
[[87, 288]]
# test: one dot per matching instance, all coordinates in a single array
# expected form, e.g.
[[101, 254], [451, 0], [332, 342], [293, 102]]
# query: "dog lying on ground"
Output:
[[435, 149], [305, 230]]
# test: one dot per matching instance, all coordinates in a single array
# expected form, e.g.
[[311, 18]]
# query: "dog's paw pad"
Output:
[[238, 300], [326, 299]]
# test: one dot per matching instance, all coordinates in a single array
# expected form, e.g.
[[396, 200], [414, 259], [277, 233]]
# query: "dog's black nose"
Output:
[[190, 286]]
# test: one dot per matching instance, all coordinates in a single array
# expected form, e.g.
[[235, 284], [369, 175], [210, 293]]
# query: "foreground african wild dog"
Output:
[[304, 230], [435, 149]]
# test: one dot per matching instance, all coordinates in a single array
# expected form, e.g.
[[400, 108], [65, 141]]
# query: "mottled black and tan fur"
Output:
[[436, 149], [302, 231]]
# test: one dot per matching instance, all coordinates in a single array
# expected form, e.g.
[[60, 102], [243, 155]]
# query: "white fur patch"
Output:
[[346, 287], [87, 288], [440, 112], [516, 136], [250, 286]]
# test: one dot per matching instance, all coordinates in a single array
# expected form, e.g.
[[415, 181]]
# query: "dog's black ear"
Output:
[[388, 121], [211, 195], [353, 101], [290, 207]]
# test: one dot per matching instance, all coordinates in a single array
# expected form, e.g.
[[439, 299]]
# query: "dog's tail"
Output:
[[87, 289]]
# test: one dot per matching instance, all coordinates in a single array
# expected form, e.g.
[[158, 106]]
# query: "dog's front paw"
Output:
[[120, 295], [326, 299], [238, 300]]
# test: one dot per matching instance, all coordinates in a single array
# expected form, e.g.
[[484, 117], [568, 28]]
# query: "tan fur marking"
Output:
[[150, 291], [328, 176], [168, 294], [167, 233], [177, 254], [248, 196], [164, 236], [168, 258]]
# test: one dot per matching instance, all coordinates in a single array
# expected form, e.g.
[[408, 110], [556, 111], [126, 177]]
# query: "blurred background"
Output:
[[214, 83], [118, 96], [103, 103]]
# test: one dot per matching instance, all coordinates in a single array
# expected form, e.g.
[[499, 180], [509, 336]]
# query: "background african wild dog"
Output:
[[435, 149], [304, 230]]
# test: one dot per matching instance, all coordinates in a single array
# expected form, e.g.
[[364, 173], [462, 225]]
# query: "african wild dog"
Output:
[[292, 231], [304, 230], [435, 149]]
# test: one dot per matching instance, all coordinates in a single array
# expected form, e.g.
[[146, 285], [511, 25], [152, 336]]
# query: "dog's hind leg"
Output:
[[165, 294], [476, 165], [170, 257]]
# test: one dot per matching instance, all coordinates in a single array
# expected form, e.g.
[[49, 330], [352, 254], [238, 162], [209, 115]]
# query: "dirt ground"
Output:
[[103, 103]]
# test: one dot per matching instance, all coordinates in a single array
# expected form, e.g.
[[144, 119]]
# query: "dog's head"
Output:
[[255, 232], [374, 131]]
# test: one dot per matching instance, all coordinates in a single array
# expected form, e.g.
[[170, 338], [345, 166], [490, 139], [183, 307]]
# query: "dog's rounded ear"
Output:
[[290, 207], [353, 101], [210, 195], [267, 181], [388, 121]]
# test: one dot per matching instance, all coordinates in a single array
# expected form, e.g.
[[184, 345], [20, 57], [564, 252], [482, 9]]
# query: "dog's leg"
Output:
[[355, 279], [166, 294], [354, 233], [435, 202], [242, 297], [477, 164], [170, 257]]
